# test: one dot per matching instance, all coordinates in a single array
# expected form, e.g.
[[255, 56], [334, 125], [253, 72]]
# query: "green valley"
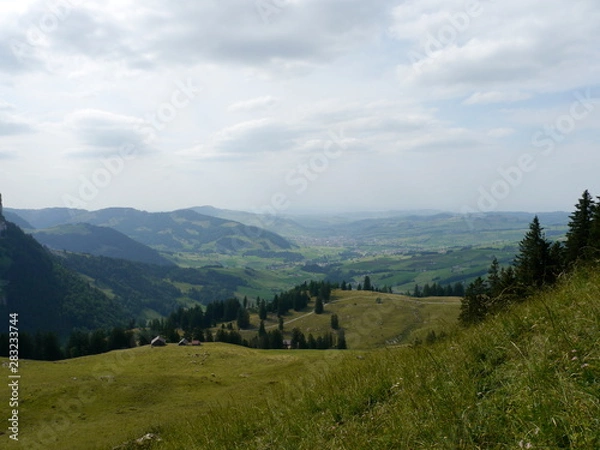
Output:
[[527, 378]]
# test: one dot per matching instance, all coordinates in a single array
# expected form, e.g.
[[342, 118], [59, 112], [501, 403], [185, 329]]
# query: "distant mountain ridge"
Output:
[[207, 229], [399, 226], [98, 241], [177, 231]]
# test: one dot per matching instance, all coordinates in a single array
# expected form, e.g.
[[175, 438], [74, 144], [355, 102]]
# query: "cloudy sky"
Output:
[[300, 105]]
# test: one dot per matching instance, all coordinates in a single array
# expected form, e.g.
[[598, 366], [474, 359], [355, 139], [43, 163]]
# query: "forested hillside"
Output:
[[99, 241], [47, 296], [140, 288], [176, 231]]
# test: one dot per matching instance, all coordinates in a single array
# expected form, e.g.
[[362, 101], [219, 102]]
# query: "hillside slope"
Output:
[[426, 230], [369, 319], [98, 241], [528, 378], [146, 291], [176, 231], [47, 296]]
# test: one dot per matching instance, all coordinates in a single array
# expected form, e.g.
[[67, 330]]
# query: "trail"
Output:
[[404, 299]]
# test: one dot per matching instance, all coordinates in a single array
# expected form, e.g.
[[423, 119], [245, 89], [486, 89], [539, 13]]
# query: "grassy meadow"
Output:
[[527, 378], [370, 319], [98, 402]]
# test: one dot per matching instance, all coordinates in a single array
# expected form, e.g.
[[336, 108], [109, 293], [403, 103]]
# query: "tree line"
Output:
[[538, 264], [366, 286], [437, 290], [46, 346]]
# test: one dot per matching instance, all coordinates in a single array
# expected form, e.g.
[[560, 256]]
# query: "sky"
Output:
[[287, 106]]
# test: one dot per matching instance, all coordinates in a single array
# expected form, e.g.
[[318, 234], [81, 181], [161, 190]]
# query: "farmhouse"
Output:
[[158, 341]]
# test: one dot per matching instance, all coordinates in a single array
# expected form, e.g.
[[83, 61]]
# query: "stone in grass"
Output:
[[140, 443]]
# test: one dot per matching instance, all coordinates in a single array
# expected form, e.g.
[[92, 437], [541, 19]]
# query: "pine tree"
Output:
[[243, 319], [97, 342], [426, 290], [262, 310], [493, 278], [594, 242], [531, 264], [298, 340], [78, 344], [311, 343], [459, 289], [335, 323], [319, 305], [580, 226], [275, 339], [475, 304], [417, 291], [367, 284], [341, 340], [51, 350]]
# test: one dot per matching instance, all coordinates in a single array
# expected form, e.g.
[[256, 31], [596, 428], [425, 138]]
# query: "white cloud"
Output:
[[274, 91], [512, 46], [500, 132], [484, 98], [102, 133], [255, 104]]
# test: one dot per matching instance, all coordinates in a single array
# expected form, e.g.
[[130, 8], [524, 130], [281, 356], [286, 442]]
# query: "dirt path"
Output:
[[404, 299]]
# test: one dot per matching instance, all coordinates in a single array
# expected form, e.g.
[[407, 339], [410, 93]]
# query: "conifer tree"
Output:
[[341, 340], [594, 242], [335, 322], [580, 226], [298, 340], [261, 329], [475, 304], [494, 278], [243, 319], [262, 310], [319, 306], [367, 284], [531, 264]]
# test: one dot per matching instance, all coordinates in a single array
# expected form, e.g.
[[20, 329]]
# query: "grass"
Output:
[[369, 319], [398, 269], [527, 378], [101, 401]]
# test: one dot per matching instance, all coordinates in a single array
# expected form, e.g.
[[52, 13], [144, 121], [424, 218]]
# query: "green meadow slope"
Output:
[[369, 319], [528, 378]]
